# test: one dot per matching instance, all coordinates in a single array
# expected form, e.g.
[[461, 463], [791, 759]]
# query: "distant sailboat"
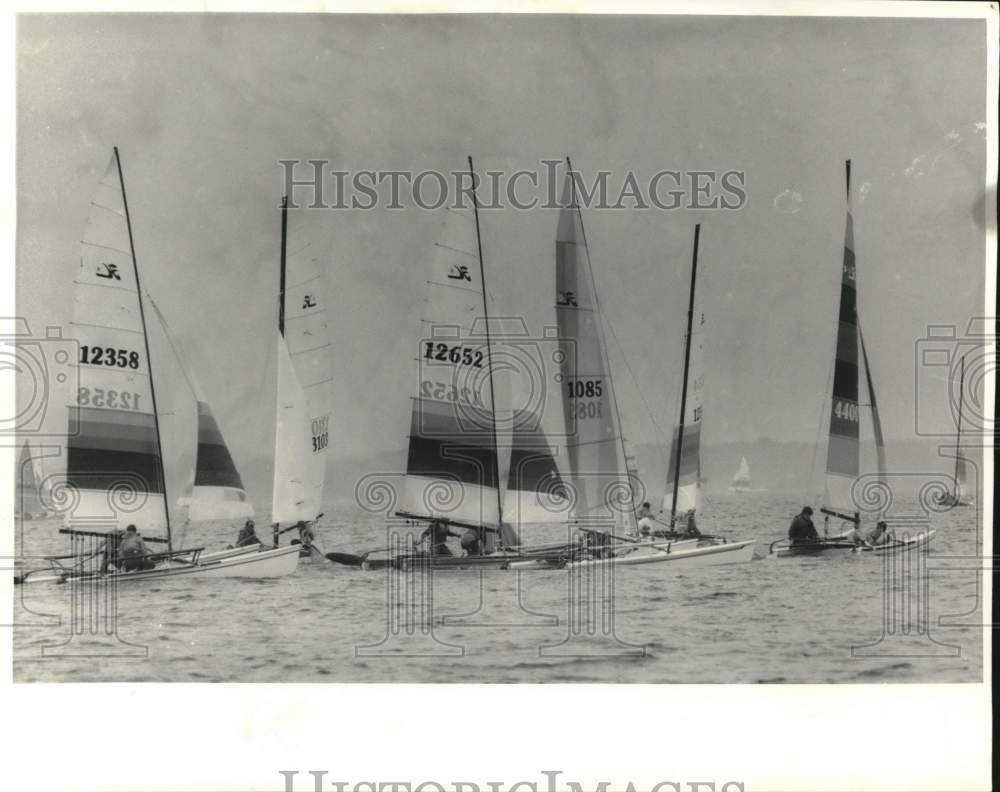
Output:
[[684, 493], [28, 504], [302, 432], [960, 495], [741, 480]]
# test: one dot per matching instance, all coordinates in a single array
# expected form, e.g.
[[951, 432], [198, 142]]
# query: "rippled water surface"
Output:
[[787, 620]]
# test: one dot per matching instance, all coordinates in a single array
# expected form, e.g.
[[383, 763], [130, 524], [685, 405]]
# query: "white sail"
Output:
[[307, 341], [113, 456], [589, 408], [452, 470], [742, 476], [295, 494]]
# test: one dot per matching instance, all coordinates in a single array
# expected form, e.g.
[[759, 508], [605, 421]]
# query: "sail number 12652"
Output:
[[453, 354]]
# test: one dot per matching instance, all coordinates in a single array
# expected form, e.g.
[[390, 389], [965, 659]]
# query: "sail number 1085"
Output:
[[584, 389]]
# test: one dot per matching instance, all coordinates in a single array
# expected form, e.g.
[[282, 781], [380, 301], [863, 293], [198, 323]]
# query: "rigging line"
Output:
[[635, 381]]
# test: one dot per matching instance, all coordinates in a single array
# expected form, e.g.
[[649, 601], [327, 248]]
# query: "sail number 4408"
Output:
[[845, 411]]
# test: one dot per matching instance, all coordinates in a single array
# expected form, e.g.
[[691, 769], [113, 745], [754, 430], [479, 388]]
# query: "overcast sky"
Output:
[[204, 107]]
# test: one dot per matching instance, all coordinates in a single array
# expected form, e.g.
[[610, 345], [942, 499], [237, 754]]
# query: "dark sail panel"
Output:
[[842, 453]]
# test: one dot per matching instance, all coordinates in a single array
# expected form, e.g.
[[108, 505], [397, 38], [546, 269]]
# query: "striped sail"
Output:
[[535, 492], [689, 490], [27, 482], [593, 440], [113, 459], [218, 492], [451, 464], [842, 461], [214, 491]]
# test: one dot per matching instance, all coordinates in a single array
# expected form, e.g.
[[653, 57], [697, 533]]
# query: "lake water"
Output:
[[770, 620]]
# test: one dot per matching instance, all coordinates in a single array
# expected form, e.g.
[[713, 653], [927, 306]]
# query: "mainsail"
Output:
[[452, 471], [685, 479], [114, 461], [217, 491], [594, 441], [303, 371], [843, 451]]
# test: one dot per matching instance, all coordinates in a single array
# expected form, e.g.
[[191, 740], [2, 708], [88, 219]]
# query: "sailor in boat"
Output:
[[802, 530], [437, 533], [132, 552], [690, 527], [855, 536], [247, 535], [879, 535], [645, 520], [306, 537], [472, 543], [109, 553]]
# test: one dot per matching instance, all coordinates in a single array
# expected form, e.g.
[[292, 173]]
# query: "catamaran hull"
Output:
[[686, 556], [262, 564], [840, 548]]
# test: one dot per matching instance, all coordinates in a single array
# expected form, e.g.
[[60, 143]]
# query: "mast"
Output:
[[958, 439], [684, 384], [281, 281], [489, 359], [597, 307], [149, 361]]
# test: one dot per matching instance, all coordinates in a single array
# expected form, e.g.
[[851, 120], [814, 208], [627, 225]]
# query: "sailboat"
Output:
[[115, 450], [452, 480], [741, 479], [959, 496], [302, 428], [595, 445], [844, 448], [28, 503]]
